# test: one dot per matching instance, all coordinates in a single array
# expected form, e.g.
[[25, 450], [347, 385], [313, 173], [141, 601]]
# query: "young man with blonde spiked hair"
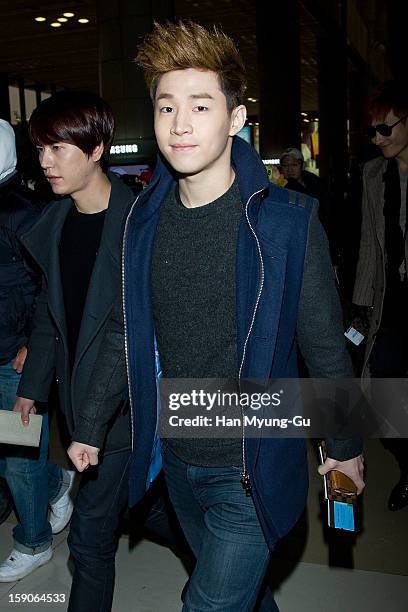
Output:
[[221, 270]]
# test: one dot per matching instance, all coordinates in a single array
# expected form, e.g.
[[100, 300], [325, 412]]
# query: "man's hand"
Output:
[[353, 468], [83, 455], [26, 407], [19, 360], [360, 318]]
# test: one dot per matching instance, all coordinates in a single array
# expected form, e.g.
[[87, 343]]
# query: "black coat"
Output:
[[48, 349], [19, 210]]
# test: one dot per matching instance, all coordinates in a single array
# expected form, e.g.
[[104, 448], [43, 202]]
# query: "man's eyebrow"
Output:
[[199, 96], [164, 96]]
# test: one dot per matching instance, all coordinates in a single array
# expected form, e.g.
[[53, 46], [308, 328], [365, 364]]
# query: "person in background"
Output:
[[380, 295], [81, 260], [33, 481], [292, 164]]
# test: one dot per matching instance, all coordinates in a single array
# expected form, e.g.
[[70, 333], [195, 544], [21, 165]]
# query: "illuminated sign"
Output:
[[273, 162], [124, 148]]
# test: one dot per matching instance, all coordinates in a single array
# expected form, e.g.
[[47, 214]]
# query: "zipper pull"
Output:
[[246, 483]]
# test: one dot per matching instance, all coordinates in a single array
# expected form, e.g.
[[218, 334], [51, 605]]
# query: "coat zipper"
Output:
[[245, 480], [125, 321]]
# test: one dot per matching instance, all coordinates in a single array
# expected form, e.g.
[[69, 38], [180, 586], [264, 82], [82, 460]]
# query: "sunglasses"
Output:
[[382, 128]]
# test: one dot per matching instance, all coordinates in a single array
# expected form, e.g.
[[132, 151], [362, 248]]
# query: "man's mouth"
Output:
[[183, 147]]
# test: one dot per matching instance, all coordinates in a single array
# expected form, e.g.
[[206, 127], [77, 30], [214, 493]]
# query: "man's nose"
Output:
[[378, 138], [181, 123], [45, 158]]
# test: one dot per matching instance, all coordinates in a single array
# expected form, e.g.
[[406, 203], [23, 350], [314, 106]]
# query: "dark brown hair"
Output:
[[182, 45], [83, 119]]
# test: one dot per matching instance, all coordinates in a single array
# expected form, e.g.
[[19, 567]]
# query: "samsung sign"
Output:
[[123, 149]]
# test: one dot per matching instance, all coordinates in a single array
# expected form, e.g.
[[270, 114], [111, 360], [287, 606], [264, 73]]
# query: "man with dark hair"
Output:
[[381, 286], [228, 269], [77, 245], [33, 481]]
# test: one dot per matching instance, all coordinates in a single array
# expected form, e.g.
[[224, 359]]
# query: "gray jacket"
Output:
[[369, 285]]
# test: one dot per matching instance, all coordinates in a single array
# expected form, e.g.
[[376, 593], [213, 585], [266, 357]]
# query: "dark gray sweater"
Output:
[[193, 292]]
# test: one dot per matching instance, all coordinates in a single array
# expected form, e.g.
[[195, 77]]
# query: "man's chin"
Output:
[[60, 191], [184, 172]]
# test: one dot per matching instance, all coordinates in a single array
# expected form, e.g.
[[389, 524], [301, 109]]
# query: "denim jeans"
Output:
[[33, 480], [223, 530]]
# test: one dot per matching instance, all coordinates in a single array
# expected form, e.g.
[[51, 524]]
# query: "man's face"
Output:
[[66, 167], [291, 167], [192, 124], [394, 145]]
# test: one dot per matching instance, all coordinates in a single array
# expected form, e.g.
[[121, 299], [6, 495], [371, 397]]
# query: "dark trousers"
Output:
[[93, 538], [389, 359]]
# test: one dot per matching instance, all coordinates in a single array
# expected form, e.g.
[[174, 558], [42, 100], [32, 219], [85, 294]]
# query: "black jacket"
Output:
[[19, 210], [48, 350]]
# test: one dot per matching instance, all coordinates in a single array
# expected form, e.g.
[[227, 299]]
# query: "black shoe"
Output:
[[399, 494]]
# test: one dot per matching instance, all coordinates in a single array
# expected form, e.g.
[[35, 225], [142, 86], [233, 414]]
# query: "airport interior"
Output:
[[311, 67]]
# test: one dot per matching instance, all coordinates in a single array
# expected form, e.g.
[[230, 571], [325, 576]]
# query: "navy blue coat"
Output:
[[278, 226]]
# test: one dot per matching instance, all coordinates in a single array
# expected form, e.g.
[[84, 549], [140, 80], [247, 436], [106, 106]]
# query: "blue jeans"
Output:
[[33, 480], [223, 530]]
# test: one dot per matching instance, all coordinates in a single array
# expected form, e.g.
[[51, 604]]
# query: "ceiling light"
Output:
[[40, 19], [55, 24], [62, 19], [69, 14], [83, 20]]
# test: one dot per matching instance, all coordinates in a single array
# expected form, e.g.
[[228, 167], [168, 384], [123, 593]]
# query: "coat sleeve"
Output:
[[320, 330], [108, 386], [363, 293], [39, 365], [23, 216]]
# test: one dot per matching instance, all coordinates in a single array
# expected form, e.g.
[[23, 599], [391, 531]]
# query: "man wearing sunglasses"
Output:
[[381, 277]]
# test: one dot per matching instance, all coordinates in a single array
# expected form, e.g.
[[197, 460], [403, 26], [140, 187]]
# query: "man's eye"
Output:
[[56, 147], [200, 109], [166, 109]]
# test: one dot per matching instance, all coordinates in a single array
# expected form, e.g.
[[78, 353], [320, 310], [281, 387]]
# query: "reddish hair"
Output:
[[393, 96], [82, 119]]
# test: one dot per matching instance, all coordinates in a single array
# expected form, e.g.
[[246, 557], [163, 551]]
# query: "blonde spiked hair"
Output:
[[186, 44]]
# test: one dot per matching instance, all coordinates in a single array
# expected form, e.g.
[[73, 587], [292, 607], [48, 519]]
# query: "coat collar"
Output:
[[375, 170], [250, 170], [43, 237], [376, 167]]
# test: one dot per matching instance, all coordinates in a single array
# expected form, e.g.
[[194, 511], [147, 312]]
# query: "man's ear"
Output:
[[238, 118], [97, 152]]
